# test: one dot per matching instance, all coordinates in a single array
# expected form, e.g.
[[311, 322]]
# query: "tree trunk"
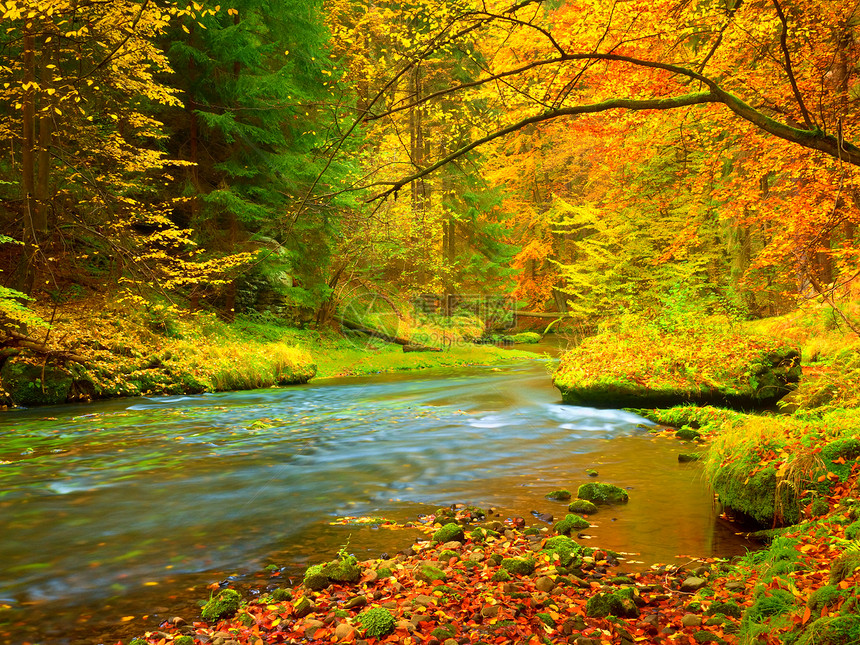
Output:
[[24, 276]]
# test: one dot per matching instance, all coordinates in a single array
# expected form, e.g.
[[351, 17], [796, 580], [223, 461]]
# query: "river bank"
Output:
[[794, 469], [105, 349]]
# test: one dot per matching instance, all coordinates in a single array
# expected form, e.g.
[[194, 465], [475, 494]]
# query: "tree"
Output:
[[776, 77]]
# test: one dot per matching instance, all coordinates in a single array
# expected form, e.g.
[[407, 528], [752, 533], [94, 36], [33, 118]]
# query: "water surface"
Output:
[[130, 507]]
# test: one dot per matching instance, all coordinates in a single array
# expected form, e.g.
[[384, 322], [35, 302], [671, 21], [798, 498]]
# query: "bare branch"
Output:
[[611, 104], [783, 43]]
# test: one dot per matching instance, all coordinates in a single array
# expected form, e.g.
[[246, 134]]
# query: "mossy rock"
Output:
[[30, 385], [315, 579], [282, 595], [844, 566], [449, 533], [446, 555], [726, 609], [835, 630], [429, 573], [687, 457], [582, 507], [561, 495], [755, 495], [567, 550], [600, 493], [571, 523], [601, 605], [688, 434], [480, 534], [376, 622], [320, 576], [225, 604], [184, 640], [826, 596], [519, 566], [501, 576]]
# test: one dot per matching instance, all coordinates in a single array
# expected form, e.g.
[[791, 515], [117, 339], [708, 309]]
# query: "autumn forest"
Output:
[[590, 157], [606, 247]]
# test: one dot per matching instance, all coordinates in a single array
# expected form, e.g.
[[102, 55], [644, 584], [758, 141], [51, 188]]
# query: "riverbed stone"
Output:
[[691, 620], [344, 632], [355, 601], [226, 603], [561, 495], [582, 507], [693, 583], [519, 566], [545, 584], [571, 523], [448, 533], [302, 607], [452, 545], [601, 493]]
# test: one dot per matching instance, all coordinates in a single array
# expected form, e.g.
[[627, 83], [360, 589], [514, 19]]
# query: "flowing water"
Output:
[[115, 515]]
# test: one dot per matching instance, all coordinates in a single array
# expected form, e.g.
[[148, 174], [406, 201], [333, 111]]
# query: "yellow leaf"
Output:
[[185, 29]]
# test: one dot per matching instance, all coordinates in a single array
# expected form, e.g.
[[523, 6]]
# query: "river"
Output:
[[116, 515]]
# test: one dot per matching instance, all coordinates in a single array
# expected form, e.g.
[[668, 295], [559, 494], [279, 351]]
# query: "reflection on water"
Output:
[[108, 500]]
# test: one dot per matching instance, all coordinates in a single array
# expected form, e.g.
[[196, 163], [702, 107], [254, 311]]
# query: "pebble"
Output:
[[691, 620], [355, 601], [693, 584], [311, 626], [735, 586], [453, 545], [344, 632], [424, 600], [490, 611], [545, 584]]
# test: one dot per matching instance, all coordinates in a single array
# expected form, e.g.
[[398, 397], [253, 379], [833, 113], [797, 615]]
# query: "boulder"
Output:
[[650, 368]]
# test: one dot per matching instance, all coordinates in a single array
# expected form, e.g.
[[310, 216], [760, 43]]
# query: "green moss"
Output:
[[546, 619], [183, 640], [836, 630], [376, 622], [852, 531], [571, 523], [449, 533], [226, 603], [582, 507], [281, 595], [525, 337], [755, 495], [566, 549], [726, 609], [819, 507], [688, 434], [384, 572], [844, 566], [561, 495], [601, 605], [429, 573], [444, 632], [501, 576], [480, 534], [519, 566], [447, 554], [826, 596], [600, 493], [315, 579]]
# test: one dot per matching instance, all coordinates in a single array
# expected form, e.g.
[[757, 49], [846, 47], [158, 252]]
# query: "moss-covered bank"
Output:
[[645, 366], [107, 350]]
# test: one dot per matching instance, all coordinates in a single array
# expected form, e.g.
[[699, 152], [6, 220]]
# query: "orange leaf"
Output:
[[821, 478], [806, 614]]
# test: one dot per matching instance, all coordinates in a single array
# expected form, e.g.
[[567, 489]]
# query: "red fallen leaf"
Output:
[[841, 460], [806, 614]]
